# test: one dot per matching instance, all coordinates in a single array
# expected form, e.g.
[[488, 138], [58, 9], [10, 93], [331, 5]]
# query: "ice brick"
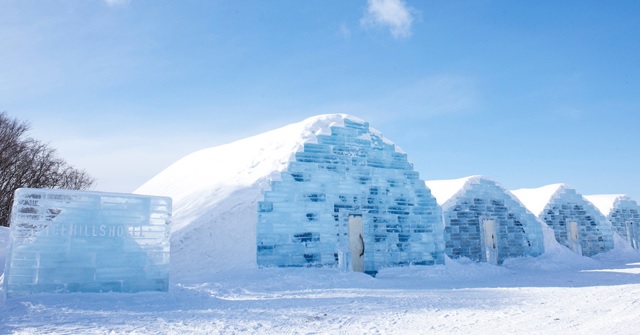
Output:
[[303, 220], [66, 241], [576, 222], [470, 204]]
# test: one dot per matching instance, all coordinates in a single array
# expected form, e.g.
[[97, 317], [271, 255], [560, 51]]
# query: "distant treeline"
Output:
[[26, 162]]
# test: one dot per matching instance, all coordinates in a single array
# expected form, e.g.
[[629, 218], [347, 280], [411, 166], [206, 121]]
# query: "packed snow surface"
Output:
[[556, 293]]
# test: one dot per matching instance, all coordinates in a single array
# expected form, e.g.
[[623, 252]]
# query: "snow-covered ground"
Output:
[[556, 293], [217, 289]]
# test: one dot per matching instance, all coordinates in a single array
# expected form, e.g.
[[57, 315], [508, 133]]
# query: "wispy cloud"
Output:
[[392, 14], [116, 3], [345, 31]]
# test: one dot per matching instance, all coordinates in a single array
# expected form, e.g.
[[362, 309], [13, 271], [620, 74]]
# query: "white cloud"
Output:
[[393, 14], [115, 3]]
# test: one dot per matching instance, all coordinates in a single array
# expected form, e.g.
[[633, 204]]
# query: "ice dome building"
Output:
[[576, 223], [622, 212], [483, 221], [301, 195]]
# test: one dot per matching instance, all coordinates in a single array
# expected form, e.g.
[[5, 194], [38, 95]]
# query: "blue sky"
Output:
[[527, 93]]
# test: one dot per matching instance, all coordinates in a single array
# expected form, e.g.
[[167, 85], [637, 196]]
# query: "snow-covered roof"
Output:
[[216, 191], [536, 199], [216, 172], [444, 190], [605, 202]]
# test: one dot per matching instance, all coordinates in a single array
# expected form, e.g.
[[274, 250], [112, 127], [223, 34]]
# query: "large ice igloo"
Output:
[[484, 221], [623, 214], [286, 198], [349, 177], [576, 223]]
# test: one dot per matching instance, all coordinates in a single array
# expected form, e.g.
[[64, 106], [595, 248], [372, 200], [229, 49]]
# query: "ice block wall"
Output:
[[518, 231], [594, 232], [78, 241], [625, 220], [303, 220]]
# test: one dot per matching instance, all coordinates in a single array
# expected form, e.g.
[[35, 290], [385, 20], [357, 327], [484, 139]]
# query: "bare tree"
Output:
[[25, 162]]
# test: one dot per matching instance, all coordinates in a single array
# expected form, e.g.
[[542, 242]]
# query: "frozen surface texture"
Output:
[[77, 241], [623, 214], [469, 202], [563, 208], [351, 171]]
